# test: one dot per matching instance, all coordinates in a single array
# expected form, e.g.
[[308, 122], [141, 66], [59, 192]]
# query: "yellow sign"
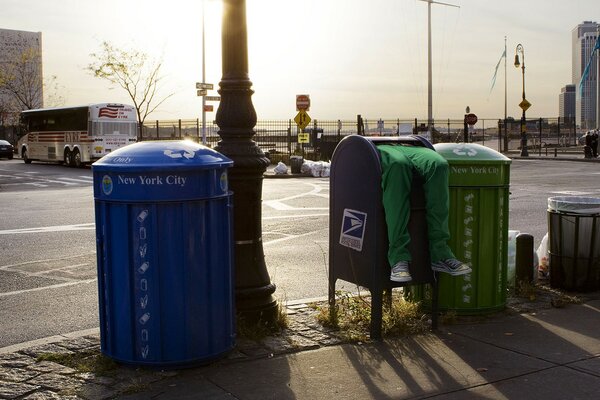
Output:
[[524, 105], [302, 119], [303, 138]]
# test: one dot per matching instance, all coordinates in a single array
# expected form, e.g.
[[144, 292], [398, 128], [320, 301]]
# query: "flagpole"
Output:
[[505, 100]]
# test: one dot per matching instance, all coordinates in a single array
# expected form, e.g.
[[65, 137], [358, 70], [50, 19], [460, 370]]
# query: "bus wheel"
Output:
[[24, 156], [76, 159], [67, 159]]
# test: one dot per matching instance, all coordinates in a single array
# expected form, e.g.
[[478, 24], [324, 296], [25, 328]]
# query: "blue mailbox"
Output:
[[164, 253]]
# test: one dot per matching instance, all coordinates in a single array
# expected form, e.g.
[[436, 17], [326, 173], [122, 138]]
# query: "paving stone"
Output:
[[56, 382], [91, 377], [13, 390], [16, 374], [48, 395], [315, 335], [50, 348], [95, 339], [50, 366], [16, 361], [79, 344], [92, 391], [331, 341], [278, 344], [301, 343], [297, 326]]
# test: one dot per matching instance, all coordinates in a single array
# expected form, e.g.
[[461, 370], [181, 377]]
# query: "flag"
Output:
[[496, 70], [586, 71]]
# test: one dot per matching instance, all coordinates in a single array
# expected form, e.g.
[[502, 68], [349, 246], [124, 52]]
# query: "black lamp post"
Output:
[[524, 103], [236, 119]]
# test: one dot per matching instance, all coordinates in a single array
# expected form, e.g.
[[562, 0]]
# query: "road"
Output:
[[47, 241]]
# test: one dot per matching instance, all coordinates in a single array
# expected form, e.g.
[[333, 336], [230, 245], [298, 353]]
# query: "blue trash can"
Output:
[[164, 254]]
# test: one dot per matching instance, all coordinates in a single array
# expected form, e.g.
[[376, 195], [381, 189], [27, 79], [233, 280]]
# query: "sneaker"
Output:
[[400, 272], [451, 266]]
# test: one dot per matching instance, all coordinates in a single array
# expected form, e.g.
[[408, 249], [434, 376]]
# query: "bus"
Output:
[[76, 135]]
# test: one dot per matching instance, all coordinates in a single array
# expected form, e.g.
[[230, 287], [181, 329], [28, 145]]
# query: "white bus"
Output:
[[76, 135]]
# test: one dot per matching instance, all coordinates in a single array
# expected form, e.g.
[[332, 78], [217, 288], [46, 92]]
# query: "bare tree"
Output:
[[21, 84], [133, 71]]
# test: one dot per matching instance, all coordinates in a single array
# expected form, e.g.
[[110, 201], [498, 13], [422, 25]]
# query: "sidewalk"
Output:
[[532, 350]]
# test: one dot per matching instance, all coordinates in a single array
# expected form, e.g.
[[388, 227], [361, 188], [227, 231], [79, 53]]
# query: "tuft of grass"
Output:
[[526, 290], [89, 361], [352, 316], [258, 330], [449, 317], [135, 386]]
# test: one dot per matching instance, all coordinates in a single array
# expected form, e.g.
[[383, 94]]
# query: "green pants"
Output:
[[398, 163]]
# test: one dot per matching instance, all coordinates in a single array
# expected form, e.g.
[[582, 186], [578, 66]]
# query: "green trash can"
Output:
[[479, 180]]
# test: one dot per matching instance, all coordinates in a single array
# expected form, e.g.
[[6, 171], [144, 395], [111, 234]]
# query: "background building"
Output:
[[584, 38], [21, 76], [566, 104]]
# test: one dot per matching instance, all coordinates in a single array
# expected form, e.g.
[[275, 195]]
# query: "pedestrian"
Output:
[[594, 143], [398, 163], [587, 148]]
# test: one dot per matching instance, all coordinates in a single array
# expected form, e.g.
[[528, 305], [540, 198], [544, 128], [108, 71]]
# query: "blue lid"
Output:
[[161, 171], [167, 154]]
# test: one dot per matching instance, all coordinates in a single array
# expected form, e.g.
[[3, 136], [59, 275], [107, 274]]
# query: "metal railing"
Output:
[[279, 138]]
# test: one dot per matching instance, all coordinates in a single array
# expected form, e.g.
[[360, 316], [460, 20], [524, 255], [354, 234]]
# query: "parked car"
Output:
[[6, 149]]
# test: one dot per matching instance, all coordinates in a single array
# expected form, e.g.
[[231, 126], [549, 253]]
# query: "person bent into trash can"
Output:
[[398, 163]]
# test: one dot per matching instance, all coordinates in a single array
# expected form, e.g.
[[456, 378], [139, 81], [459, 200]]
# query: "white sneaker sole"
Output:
[[453, 273], [400, 279]]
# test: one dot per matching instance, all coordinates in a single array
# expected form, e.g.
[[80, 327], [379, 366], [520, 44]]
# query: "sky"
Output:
[[351, 57]]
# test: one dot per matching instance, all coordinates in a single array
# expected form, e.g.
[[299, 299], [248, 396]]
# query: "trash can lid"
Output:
[[159, 155], [574, 204], [471, 152]]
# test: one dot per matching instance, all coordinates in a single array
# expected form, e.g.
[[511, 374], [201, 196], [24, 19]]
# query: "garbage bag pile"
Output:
[[315, 168], [280, 169]]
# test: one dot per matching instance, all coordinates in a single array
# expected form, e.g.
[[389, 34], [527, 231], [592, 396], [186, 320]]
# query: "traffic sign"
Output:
[[303, 138], [302, 102], [471, 119], [201, 92], [201, 85], [302, 119], [524, 105], [212, 98], [208, 108]]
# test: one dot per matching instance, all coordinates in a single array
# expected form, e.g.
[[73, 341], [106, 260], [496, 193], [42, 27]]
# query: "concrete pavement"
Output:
[[532, 350]]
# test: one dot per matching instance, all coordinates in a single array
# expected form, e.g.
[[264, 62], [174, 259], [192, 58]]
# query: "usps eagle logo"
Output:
[[353, 229]]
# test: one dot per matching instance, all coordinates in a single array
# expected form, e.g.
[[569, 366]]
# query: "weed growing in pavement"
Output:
[[261, 329], [526, 290], [352, 316], [89, 361], [449, 317]]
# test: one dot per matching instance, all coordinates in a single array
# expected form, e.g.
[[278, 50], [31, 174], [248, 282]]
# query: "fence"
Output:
[[279, 138]]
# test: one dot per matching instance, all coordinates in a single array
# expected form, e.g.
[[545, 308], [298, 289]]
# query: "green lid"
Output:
[[474, 165], [469, 152]]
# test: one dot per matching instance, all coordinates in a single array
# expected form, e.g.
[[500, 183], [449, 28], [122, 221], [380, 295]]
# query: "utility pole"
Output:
[[203, 78], [429, 69]]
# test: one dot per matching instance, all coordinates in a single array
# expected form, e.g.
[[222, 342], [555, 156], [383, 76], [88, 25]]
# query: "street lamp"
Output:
[[236, 119], [524, 103]]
